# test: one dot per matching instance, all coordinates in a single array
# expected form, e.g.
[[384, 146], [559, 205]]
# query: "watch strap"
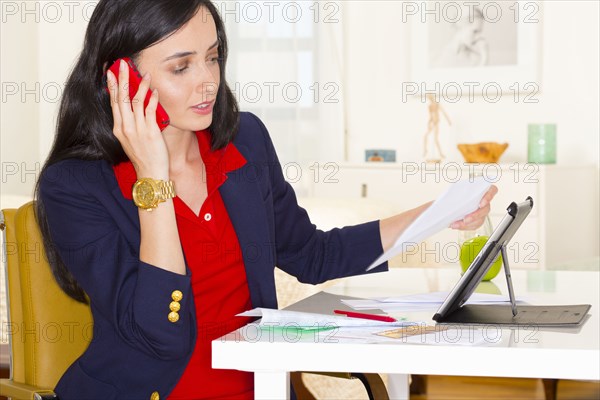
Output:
[[167, 189]]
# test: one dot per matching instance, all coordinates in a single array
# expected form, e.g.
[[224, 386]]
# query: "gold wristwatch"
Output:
[[148, 193]]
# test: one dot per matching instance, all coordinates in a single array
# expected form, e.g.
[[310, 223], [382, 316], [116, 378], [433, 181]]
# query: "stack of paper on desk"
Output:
[[455, 336], [298, 319], [418, 302], [459, 200]]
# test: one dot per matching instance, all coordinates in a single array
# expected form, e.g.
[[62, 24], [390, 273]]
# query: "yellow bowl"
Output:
[[484, 152]]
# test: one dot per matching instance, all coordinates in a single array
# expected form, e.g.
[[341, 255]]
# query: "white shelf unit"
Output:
[[561, 229]]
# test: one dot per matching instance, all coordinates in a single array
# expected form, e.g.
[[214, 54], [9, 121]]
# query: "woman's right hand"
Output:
[[137, 131]]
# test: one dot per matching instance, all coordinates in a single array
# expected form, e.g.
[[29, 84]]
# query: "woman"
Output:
[[163, 283]]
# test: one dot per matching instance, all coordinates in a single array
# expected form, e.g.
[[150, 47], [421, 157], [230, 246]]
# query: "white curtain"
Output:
[[285, 65]]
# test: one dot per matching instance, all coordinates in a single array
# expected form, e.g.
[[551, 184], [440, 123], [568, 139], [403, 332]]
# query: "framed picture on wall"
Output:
[[476, 48]]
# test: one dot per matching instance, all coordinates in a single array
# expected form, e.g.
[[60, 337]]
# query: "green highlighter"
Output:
[[294, 331]]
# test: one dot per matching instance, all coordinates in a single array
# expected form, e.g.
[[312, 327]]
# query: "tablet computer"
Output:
[[516, 214]]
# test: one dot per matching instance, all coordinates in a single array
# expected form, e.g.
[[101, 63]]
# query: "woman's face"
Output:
[[185, 70]]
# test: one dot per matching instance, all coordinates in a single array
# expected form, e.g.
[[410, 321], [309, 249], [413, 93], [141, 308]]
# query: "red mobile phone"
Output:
[[135, 78]]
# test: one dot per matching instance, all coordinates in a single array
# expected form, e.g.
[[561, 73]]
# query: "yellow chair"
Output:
[[47, 329]]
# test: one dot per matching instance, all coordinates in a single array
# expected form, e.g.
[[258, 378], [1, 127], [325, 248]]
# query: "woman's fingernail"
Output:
[[146, 76], [122, 65]]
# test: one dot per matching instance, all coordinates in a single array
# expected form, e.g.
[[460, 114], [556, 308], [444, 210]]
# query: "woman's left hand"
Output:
[[476, 218]]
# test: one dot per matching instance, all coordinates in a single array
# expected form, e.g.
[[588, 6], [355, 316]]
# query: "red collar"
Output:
[[217, 163]]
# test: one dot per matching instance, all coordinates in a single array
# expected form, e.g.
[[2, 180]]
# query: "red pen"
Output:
[[353, 314]]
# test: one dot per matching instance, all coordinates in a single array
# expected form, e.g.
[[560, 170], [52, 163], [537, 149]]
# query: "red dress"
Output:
[[213, 254]]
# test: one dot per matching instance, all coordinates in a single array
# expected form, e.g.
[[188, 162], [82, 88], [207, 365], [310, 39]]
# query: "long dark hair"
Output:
[[120, 28]]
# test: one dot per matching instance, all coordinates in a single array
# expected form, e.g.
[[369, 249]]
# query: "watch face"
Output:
[[144, 194]]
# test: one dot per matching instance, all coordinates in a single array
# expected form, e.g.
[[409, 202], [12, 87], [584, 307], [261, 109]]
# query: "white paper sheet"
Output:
[[467, 335], [421, 301], [439, 297], [283, 318], [459, 200]]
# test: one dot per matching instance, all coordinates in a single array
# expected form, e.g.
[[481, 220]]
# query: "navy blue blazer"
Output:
[[135, 349]]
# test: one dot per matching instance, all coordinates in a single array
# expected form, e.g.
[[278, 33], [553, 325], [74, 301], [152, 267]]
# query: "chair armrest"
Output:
[[344, 375], [372, 382], [21, 391]]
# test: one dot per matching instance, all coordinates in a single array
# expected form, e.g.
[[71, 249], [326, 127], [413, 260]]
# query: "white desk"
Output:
[[525, 352]]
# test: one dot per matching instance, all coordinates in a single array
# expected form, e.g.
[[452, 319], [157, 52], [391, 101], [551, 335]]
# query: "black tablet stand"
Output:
[[511, 292]]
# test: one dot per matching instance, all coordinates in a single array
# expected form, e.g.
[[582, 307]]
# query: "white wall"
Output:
[[39, 43], [19, 106], [57, 62], [377, 54], [378, 49]]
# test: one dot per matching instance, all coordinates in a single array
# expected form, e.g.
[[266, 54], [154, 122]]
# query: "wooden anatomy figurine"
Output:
[[433, 127]]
